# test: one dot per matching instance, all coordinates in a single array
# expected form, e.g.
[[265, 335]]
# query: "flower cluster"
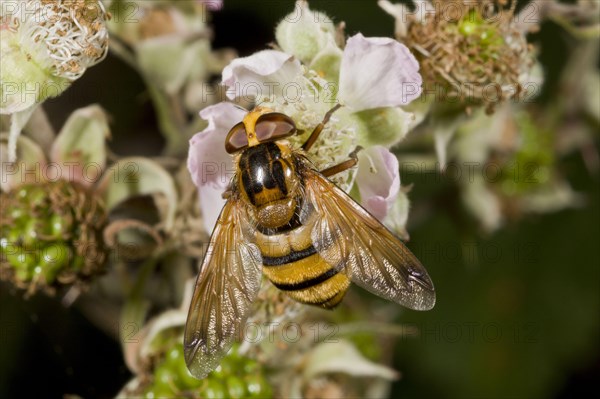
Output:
[[317, 69]]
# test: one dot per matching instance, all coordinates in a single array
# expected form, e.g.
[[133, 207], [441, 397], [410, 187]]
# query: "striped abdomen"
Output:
[[269, 182], [293, 265]]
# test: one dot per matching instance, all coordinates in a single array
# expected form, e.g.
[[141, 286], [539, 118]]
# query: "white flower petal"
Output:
[[378, 72], [398, 215], [208, 162], [262, 74], [210, 166], [211, 204], [378, 180]]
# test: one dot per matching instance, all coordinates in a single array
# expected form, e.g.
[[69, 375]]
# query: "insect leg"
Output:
[[319, 128], [340, 167]]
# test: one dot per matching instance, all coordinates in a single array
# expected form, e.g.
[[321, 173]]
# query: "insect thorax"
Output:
[[268, 180]]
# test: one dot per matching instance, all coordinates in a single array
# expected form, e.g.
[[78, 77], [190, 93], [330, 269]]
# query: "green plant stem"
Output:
[[170, 120], [136, 308]]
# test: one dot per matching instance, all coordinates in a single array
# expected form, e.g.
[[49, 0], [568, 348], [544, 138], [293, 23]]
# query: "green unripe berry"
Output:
[[5, 243], [468, 28], [214, 389], [23, 261], [490, 36], [59, 226], [53, 259], [17, 215], [14, 236], [163, 375], [174, 355], [59, 223], [30, 233], [24, 273], [251, 366], [157, 391], [236, 389], [19, 257], [36, 196], [175, 361], [187, 381], [257, 386], [225, 368], [22, 192]]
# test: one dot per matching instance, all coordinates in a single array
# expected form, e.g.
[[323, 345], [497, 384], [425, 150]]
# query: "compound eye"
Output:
[[236, 139], [274, 126]]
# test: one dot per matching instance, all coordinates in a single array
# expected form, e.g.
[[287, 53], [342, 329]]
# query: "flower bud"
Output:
[[304, 33]]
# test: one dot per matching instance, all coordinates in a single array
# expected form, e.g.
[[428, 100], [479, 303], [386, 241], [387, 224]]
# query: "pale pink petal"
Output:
[[262, 74], [211, 204], [377, 72], [210, 166], [378, 180], [208, 162]]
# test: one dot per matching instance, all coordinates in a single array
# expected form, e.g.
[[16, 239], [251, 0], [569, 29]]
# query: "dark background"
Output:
[[515, 317]]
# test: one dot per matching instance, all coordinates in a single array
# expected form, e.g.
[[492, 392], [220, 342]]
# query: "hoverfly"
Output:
[[285, 219]]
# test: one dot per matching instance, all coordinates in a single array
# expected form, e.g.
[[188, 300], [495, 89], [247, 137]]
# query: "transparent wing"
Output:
[[227, 286], [373, 257]]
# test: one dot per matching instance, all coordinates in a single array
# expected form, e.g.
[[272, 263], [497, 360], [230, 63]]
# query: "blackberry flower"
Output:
[[45, 46]]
